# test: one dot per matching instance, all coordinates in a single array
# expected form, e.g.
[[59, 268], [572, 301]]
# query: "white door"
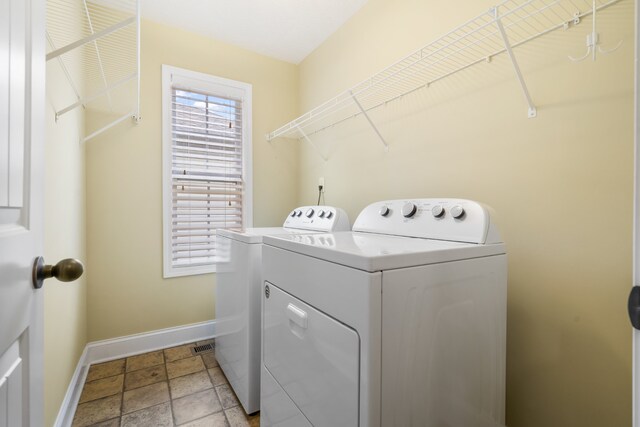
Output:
[[22, 79]]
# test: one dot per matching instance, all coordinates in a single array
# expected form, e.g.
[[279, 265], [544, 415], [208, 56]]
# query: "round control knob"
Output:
[[384, 211], [294, 213], [321, 213], [457, 211], [329, 214], [409, 210], [437, 211], [309, 213], [299, 213]]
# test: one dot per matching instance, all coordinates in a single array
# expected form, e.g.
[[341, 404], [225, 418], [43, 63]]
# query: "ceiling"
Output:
[[284, 29]]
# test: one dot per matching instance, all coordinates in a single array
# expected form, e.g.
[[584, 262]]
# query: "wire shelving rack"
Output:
[[96, 43], [497, 31]]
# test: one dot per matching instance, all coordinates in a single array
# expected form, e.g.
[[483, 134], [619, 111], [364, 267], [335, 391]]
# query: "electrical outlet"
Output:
[[321, 181]]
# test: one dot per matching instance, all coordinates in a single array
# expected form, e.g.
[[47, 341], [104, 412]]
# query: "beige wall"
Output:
[[127, 293], [561, 185], [65, 311]]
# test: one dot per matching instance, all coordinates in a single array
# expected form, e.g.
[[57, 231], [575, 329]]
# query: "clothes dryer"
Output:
[[400, 322], [238, 291]]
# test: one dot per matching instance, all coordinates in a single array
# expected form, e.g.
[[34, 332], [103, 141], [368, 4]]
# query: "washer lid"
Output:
[[305, 219], [255, 235], [249, 235], [376, 252]]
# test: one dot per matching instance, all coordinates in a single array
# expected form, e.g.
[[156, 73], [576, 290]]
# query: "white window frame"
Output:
[[215, 85]]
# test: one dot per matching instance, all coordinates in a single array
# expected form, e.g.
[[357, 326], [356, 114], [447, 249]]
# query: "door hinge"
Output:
[[634, 307]]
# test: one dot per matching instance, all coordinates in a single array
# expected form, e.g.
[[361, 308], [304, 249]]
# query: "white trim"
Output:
[[117, 348], [205, 82], [70, 401], [635, 354]]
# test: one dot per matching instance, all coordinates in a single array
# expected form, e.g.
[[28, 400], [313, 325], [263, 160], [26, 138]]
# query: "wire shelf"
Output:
[[96, 44], [507, 25]]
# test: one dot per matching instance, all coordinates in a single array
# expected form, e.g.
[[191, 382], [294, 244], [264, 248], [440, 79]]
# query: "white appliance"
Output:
[[401, 322], [238, 278]]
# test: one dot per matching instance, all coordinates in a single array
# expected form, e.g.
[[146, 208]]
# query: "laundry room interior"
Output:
[[537, 128]]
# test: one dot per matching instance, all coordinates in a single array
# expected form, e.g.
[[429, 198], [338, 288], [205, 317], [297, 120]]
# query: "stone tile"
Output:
[[195, 406], [144, 360], [155, 416], [211, 341], [97, 410], [115, 422], [217, 376], [144, 397], [227, 396], [189, 384], [238, 418], [107, 369], [254, 420], [214, 420], [209, 359], [177, 353], [143, 377], [101, 388], [182, 367]]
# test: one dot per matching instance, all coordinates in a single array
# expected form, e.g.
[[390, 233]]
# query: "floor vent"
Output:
[[201, 349]]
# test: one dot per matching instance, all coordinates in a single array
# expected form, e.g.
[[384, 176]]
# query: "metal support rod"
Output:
[[364, 113], [95, 45], [532, 108], [65, 71], [109, 126], [88, 99], [304, 135], [594, 34], [90, 38], [137, 117]]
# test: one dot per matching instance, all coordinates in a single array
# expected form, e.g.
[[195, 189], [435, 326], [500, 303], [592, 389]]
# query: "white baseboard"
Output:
[[117, 348], [70, 401]]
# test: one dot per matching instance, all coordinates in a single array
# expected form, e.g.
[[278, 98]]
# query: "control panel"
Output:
[[324, 240], [318, 218], [443, 219]]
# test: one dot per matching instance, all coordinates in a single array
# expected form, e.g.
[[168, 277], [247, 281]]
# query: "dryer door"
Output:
[[313, 357]]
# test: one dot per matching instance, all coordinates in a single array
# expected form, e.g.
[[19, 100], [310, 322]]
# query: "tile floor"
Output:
[[169, 387]]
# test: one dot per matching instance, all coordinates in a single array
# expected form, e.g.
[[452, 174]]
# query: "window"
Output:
[[206, 166]]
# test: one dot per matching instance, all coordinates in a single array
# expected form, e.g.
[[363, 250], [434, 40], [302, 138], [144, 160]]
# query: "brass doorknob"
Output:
[[66, 270]]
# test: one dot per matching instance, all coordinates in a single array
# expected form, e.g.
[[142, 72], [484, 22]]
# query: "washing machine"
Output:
[[238, 290], [400, 322]]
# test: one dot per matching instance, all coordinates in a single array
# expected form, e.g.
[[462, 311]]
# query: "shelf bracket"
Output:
[[64, 70], [89, 39], [306, 138], [364, 113], [130, 115], [99, 57], [532, 108], [86, 100]]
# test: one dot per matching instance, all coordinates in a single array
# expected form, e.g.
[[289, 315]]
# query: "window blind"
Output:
[[206, 173]]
